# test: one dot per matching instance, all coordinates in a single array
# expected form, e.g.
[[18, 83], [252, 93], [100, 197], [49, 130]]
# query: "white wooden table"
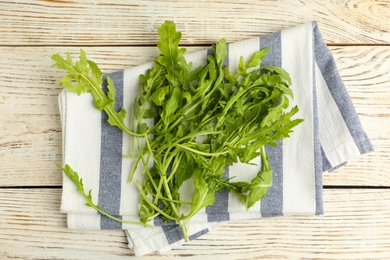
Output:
[[118, 34]]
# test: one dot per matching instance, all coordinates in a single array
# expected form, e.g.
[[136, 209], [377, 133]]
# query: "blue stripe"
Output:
[[111, 162], [317, 145], [199, 233], [329, 71], [272, 203], [173, 233], [326, 166]]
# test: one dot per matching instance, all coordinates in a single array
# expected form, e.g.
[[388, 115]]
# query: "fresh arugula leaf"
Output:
[[202, 196], [85, 77], [185, 169], [78, 182], [257, 188]]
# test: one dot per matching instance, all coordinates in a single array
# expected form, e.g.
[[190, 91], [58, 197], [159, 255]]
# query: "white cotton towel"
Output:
[[330, 136]]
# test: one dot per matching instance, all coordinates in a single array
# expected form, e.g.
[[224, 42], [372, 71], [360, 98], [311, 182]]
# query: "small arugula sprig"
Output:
[[78, 182], [85, 77], [205, 119]]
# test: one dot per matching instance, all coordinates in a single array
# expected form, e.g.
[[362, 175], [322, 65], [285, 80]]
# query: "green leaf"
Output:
[[201, 197], [151, 112], [274, 113], [280, 71], [172, 104], [158, 97], [111, 89], [241, 67], [169, 40], [101, 104], [284, 126], [68, 82], [85, 76], [185, 169], [251, 151], [257, 58], [258, 187], [117, 118], [142, 128], [77, 79], [220, 52], [78, 182], [171, 57]]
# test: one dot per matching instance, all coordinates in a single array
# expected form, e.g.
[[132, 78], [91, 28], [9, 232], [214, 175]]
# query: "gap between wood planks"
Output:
[[155, 45], [338, 187]]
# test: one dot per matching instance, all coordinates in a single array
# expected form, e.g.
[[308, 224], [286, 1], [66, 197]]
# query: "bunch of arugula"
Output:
[[205, 119]]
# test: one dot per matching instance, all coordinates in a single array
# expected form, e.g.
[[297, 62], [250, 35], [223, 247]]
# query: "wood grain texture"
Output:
[[356, 225], [30, 138], [117, 34], [117, 22]]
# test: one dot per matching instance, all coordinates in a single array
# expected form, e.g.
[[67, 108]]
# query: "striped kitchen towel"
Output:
[[330, 136]]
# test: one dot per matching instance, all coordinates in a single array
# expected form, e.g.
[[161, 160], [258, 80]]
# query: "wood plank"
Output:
[[30, 133], [99, 22], [356, 226]]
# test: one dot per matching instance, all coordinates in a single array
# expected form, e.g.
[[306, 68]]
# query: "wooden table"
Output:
[[116, 35]]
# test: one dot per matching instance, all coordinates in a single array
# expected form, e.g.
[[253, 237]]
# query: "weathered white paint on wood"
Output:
[[356, 225], [117, 22], [30, 139], [116, 34]]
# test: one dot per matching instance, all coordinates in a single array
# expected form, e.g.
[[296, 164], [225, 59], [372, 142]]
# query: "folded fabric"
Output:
[[330, 136]]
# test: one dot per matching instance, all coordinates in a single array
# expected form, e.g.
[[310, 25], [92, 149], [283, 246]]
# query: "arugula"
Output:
[[205, 119], [78, 182], [85, 77]]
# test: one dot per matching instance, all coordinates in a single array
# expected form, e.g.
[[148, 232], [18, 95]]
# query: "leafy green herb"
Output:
[[207, 119], [78, 182], [85, 77]]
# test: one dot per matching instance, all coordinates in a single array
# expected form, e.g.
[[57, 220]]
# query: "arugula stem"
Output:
[[121, 220], [175, 165], [134, 168], [264, 158], [184, 230], [121, 125], [143, 195], [169, 200], [200, 152], [200, 133], [139, 158], [152, 181], [169, 194], [78, 182], [158, 191]]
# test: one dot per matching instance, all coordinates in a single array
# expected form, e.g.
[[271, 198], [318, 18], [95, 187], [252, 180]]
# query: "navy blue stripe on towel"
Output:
[[272, 203], [172, 233], [317, 145], [111, 162], [329, 71]]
